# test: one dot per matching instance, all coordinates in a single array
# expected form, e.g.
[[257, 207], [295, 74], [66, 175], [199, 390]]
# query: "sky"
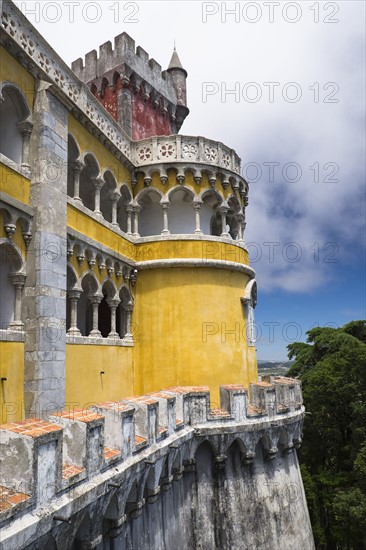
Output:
[[283, 84]]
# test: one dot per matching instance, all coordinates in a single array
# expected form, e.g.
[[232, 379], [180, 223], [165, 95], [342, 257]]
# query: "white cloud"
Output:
[[305, 132]]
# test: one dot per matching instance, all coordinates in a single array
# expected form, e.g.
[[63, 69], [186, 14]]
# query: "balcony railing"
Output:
[[184, 149]]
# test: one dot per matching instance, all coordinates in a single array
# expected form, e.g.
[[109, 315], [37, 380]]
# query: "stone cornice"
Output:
[[196, 262], [74, 237]]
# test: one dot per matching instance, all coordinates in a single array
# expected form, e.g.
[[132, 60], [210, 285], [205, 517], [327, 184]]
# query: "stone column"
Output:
[[74, 296], [114, 196], [197, 210], [77, 168], [165, 205], [98, 184], [95, 301], [18, 280], [45, 288], [25, 128], [136, 211], [129, 211], [128, 309], [113, 304], [223, 211]]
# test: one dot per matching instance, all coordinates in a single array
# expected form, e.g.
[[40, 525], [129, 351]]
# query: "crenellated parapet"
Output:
[[128, 60], [144, 99], [133, 449]]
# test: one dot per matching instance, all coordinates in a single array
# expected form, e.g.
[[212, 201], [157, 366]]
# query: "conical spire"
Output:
[[175, 62]]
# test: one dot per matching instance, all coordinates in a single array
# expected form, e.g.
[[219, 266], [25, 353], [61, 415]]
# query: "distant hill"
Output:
[[273, 367]]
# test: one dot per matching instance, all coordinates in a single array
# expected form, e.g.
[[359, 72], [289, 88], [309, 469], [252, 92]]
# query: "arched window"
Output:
[[15, 127], [89, 296], [151, 215], [11, 285], [123, 203], [124, 313], [107, 311], [107, 196], [232, 217], [74, 167], [210, 216], [88, 176], [181, 213]]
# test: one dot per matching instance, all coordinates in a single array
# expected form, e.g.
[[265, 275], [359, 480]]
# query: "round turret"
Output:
[[179, 76]]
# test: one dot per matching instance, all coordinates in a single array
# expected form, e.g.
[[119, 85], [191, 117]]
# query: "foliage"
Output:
[[332, 367]]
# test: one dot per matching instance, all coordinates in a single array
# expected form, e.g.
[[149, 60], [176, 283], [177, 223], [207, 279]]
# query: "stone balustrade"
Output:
[[177, 149]]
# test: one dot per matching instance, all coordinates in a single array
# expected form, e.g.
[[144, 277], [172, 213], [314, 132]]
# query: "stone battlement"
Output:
[[43, 460], [125, 58]]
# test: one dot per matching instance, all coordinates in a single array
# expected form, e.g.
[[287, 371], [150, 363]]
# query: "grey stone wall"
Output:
[[45, 291], [174, 474]]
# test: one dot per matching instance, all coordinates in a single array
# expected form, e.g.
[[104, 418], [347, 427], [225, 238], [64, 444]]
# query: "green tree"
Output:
[[332, 368]]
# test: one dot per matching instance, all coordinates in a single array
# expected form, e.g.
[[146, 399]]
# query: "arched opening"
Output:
[[89, 287], [73, 154], [181, 213], [124, 313], [11, 285], [71, 283], [232, 217], [87, 189], [122, 204], [210, 216], [13, 111], [105, 309], [83, 535], [132, 500], [151, 215], [7, 294], [109, 187]]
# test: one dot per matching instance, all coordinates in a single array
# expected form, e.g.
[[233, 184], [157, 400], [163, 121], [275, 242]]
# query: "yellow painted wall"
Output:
[[14, 184], [88, 143], [11, 390], [202, 249], [183, 318], [12, 71], [84, 383], [92, 228]]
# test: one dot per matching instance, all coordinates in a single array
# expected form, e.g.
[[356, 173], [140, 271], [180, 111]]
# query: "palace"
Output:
[[123, 271]]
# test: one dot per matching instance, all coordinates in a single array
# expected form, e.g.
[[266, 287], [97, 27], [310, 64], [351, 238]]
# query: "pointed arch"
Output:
[[90, 172], [104, 85], [109, 187], [232, 216], [151, 214], [72, 277], [181, 213], [14, 112], [124, 312], [11, 265], [73, 155], [123, 202], [90, 287], [210, 217]]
